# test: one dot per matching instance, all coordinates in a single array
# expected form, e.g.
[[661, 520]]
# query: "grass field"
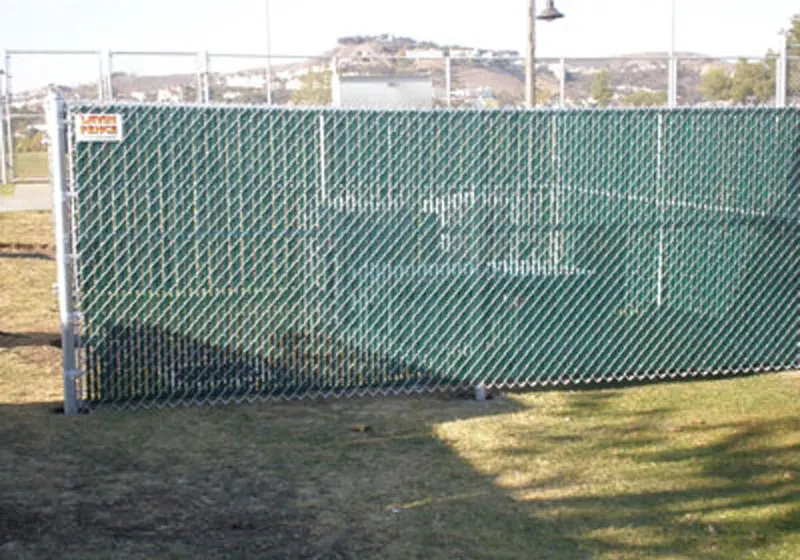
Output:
[[691, 470], [31, 165]]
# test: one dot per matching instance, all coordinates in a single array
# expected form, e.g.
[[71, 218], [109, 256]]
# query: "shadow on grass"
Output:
[[297, 481], [20, 339], [286, 481], [26, 256]]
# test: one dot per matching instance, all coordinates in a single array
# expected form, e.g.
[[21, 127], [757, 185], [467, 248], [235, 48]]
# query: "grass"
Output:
[[690, 470], [6, 189], [31, 165]]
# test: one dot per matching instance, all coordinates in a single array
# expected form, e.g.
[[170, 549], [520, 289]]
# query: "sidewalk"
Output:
[[27, 197]]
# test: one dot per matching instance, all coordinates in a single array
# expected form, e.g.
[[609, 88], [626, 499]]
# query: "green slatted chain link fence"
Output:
[[234, 253]]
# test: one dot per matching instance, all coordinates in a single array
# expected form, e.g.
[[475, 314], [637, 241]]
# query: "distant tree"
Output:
[[508, 99], [31, 142], [315, 89], [716, 85], [793, 50], [753, 82], [793, 36], [601, 88], [646, 99]]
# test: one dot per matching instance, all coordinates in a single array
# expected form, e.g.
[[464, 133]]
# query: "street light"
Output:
[[549, 13]]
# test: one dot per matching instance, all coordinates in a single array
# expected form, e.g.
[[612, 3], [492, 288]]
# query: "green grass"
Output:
[[31, 165], [6, 189], [690, 470]]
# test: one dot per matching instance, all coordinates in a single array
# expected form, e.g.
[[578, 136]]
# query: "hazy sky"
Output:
[[592, 27]]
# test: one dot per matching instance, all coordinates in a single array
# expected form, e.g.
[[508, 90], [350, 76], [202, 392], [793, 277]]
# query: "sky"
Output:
[[307, 27]]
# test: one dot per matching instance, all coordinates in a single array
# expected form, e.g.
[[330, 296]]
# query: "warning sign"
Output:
[[98, 128]]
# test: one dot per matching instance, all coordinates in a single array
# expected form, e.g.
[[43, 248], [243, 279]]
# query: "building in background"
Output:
[[383, 92]]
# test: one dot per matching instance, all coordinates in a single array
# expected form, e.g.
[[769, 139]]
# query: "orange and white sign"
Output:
[[98, 128]]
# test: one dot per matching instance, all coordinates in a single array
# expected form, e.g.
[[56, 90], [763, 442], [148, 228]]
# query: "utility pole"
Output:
[[549, 13], [530, 57]]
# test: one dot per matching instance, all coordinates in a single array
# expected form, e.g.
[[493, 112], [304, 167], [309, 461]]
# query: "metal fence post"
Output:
[[562, 85], [206, 77], [56, 134], [7, 100], [672, 81], [101, 86], [448, 80], [269, 78], [782, 76], [3, 167], [110, 75], [202, 77]]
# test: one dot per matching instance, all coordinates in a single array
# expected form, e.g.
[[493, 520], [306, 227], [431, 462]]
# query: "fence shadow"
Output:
[[141, 363], [20, 339]]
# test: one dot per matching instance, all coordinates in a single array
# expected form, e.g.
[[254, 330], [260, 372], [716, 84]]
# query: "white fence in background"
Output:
[[458, 81]]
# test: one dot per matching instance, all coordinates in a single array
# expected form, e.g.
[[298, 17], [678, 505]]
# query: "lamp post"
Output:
[[549, 13]]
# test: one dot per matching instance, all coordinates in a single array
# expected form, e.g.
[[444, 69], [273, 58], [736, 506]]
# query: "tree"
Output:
[[793, 50], [646, 99], [753, 82], [32, 141], [716, 85], [793, 36], [315, 89], [601, 88]]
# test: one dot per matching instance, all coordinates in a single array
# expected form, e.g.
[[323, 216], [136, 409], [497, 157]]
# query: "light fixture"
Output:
[[550, 12]]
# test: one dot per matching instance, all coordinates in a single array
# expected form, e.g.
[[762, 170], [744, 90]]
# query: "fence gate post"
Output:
[[10, 159], [56, 134], [3, 167]]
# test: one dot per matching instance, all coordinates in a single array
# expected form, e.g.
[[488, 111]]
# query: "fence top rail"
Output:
[[154, 53], [643, 56], [85, 52], [271, 56], [327, 109]]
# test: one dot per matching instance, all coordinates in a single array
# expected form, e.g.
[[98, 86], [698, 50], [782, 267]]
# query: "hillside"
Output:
[[479, 77]]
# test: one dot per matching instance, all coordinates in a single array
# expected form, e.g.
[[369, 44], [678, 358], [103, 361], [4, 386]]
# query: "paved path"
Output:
[[27, 197]]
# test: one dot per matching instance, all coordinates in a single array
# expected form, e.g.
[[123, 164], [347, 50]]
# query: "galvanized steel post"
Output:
[[110, 75], [448, 80], [782, 76], [56, 133], [562, 85], [101, 87], [206, 77], [7, 101], [3, 167]]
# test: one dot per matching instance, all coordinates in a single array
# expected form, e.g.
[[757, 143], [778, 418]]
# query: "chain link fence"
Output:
[[460, 78], [23, 158], [225, 254]]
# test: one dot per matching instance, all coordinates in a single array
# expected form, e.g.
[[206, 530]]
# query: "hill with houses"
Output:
[[478, 77]]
